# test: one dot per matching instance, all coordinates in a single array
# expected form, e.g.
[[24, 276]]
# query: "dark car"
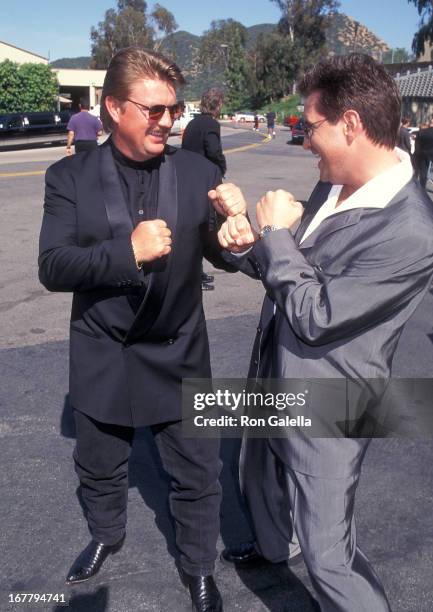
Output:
[[24, 129], [298, 133]]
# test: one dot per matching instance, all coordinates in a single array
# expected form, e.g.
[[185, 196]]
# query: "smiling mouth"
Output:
[[159, 134]]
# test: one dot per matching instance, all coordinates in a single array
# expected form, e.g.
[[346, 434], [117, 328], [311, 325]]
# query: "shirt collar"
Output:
[[123, 160], [376, 193]]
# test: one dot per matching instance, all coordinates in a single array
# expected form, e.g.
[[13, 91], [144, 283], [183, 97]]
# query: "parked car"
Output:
[[244, 116], [290, 120], [24, 129], [180, 124], [298, 133]]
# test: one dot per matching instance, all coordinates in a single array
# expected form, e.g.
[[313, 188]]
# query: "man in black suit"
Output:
[[424, 152], [125, 227], [203, 135]]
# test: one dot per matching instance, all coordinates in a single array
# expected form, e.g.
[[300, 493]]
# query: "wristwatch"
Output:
[[266, 229]]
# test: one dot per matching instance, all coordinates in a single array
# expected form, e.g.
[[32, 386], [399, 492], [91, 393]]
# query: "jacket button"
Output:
[[256, 362], [259, 330], [170, 341]]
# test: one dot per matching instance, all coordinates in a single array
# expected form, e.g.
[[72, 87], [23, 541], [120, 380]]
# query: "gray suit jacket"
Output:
[[342, 297]]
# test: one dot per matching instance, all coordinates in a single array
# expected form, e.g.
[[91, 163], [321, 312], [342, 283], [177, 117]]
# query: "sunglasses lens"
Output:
[[157, 111]]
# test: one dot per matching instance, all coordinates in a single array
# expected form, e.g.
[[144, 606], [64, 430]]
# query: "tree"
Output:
[[216, 43], [9, 87], [27, 87], [39, 87], [131, 24], [425, 32], [236, 77], [399, 55], [222, 52], [273, 64], [304, 23]]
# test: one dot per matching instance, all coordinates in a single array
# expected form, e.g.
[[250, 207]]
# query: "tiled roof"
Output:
[[416, 85]]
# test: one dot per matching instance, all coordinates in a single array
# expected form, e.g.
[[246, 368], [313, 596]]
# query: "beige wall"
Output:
[[80, 78], [14, 54]]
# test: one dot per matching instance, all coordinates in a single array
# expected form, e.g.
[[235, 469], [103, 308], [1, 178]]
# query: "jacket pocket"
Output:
[[83, 330]]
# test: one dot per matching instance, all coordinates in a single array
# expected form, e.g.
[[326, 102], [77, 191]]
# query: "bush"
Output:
[[27, 87]]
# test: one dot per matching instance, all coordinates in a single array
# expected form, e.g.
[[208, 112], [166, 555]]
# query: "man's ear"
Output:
[[114, 108], [352, 124]]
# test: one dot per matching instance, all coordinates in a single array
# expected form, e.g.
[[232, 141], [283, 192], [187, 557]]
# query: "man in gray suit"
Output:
[[338, 294]]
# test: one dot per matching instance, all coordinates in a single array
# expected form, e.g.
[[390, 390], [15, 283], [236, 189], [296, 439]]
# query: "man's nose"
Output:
[[166, 120]]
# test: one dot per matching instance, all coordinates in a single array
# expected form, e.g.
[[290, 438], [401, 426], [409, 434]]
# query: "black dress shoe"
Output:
[[90, 560], [205, 596], [242, 555], [246, 555], [207, 278], [207, 287]]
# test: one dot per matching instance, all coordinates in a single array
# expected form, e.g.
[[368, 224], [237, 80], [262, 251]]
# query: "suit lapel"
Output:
[[333, 224], [317, 198], [158, 279], [116, 208]]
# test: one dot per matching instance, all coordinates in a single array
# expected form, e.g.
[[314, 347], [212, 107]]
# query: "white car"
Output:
[[244, 116], [180, 124]]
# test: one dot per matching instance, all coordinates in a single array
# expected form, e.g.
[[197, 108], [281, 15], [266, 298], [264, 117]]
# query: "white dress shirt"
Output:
[[376, 193]]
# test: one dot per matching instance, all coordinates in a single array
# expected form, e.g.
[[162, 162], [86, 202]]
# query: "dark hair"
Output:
[[211, 101], [84, 105], [130, 65], [357, 82]]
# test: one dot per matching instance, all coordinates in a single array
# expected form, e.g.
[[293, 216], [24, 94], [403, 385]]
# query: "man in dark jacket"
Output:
[[403, 138], [203, 135], [424, 152], [125, 227]]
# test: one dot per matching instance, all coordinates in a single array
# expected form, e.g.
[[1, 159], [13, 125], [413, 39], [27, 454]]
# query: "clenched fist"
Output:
[[151, 240], [278, 208], [236, 234], [228, 200]]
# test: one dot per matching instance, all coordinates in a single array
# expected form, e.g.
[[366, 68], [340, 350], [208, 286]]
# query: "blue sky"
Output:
[[61, 29]]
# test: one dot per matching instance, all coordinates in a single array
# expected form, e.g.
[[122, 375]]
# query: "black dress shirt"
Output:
[[139, 181]]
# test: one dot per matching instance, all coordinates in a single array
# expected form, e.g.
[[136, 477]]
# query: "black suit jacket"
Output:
[[203, 135], [424, 143], [133, 336]]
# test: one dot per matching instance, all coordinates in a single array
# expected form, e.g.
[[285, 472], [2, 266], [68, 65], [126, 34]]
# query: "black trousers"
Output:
[[85, 145], [101, 462], [423, 164]]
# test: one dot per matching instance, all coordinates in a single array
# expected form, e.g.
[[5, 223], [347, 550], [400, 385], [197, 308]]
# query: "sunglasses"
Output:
[[156, 112]]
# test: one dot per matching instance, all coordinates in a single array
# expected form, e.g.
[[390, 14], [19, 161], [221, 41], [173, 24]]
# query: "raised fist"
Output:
[[151, 240]]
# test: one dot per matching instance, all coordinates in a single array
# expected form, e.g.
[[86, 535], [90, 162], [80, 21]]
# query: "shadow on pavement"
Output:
[[96, 602]]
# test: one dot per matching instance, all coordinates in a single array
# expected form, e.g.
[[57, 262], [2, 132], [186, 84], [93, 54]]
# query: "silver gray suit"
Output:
[[342, 296]]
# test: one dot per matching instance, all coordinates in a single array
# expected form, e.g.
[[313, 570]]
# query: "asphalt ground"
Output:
[[42, 524]]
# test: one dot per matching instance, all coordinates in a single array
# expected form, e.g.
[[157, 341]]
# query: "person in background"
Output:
[[256, 122], [270, 119], [83, 130], [424, 152], [203, 135], [403, 139]]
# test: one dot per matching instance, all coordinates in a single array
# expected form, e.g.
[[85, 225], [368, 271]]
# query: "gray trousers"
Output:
[[321, 512]]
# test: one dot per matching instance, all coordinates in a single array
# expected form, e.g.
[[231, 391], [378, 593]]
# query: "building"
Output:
[[20, 56], [73, 84], [416, 89]]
